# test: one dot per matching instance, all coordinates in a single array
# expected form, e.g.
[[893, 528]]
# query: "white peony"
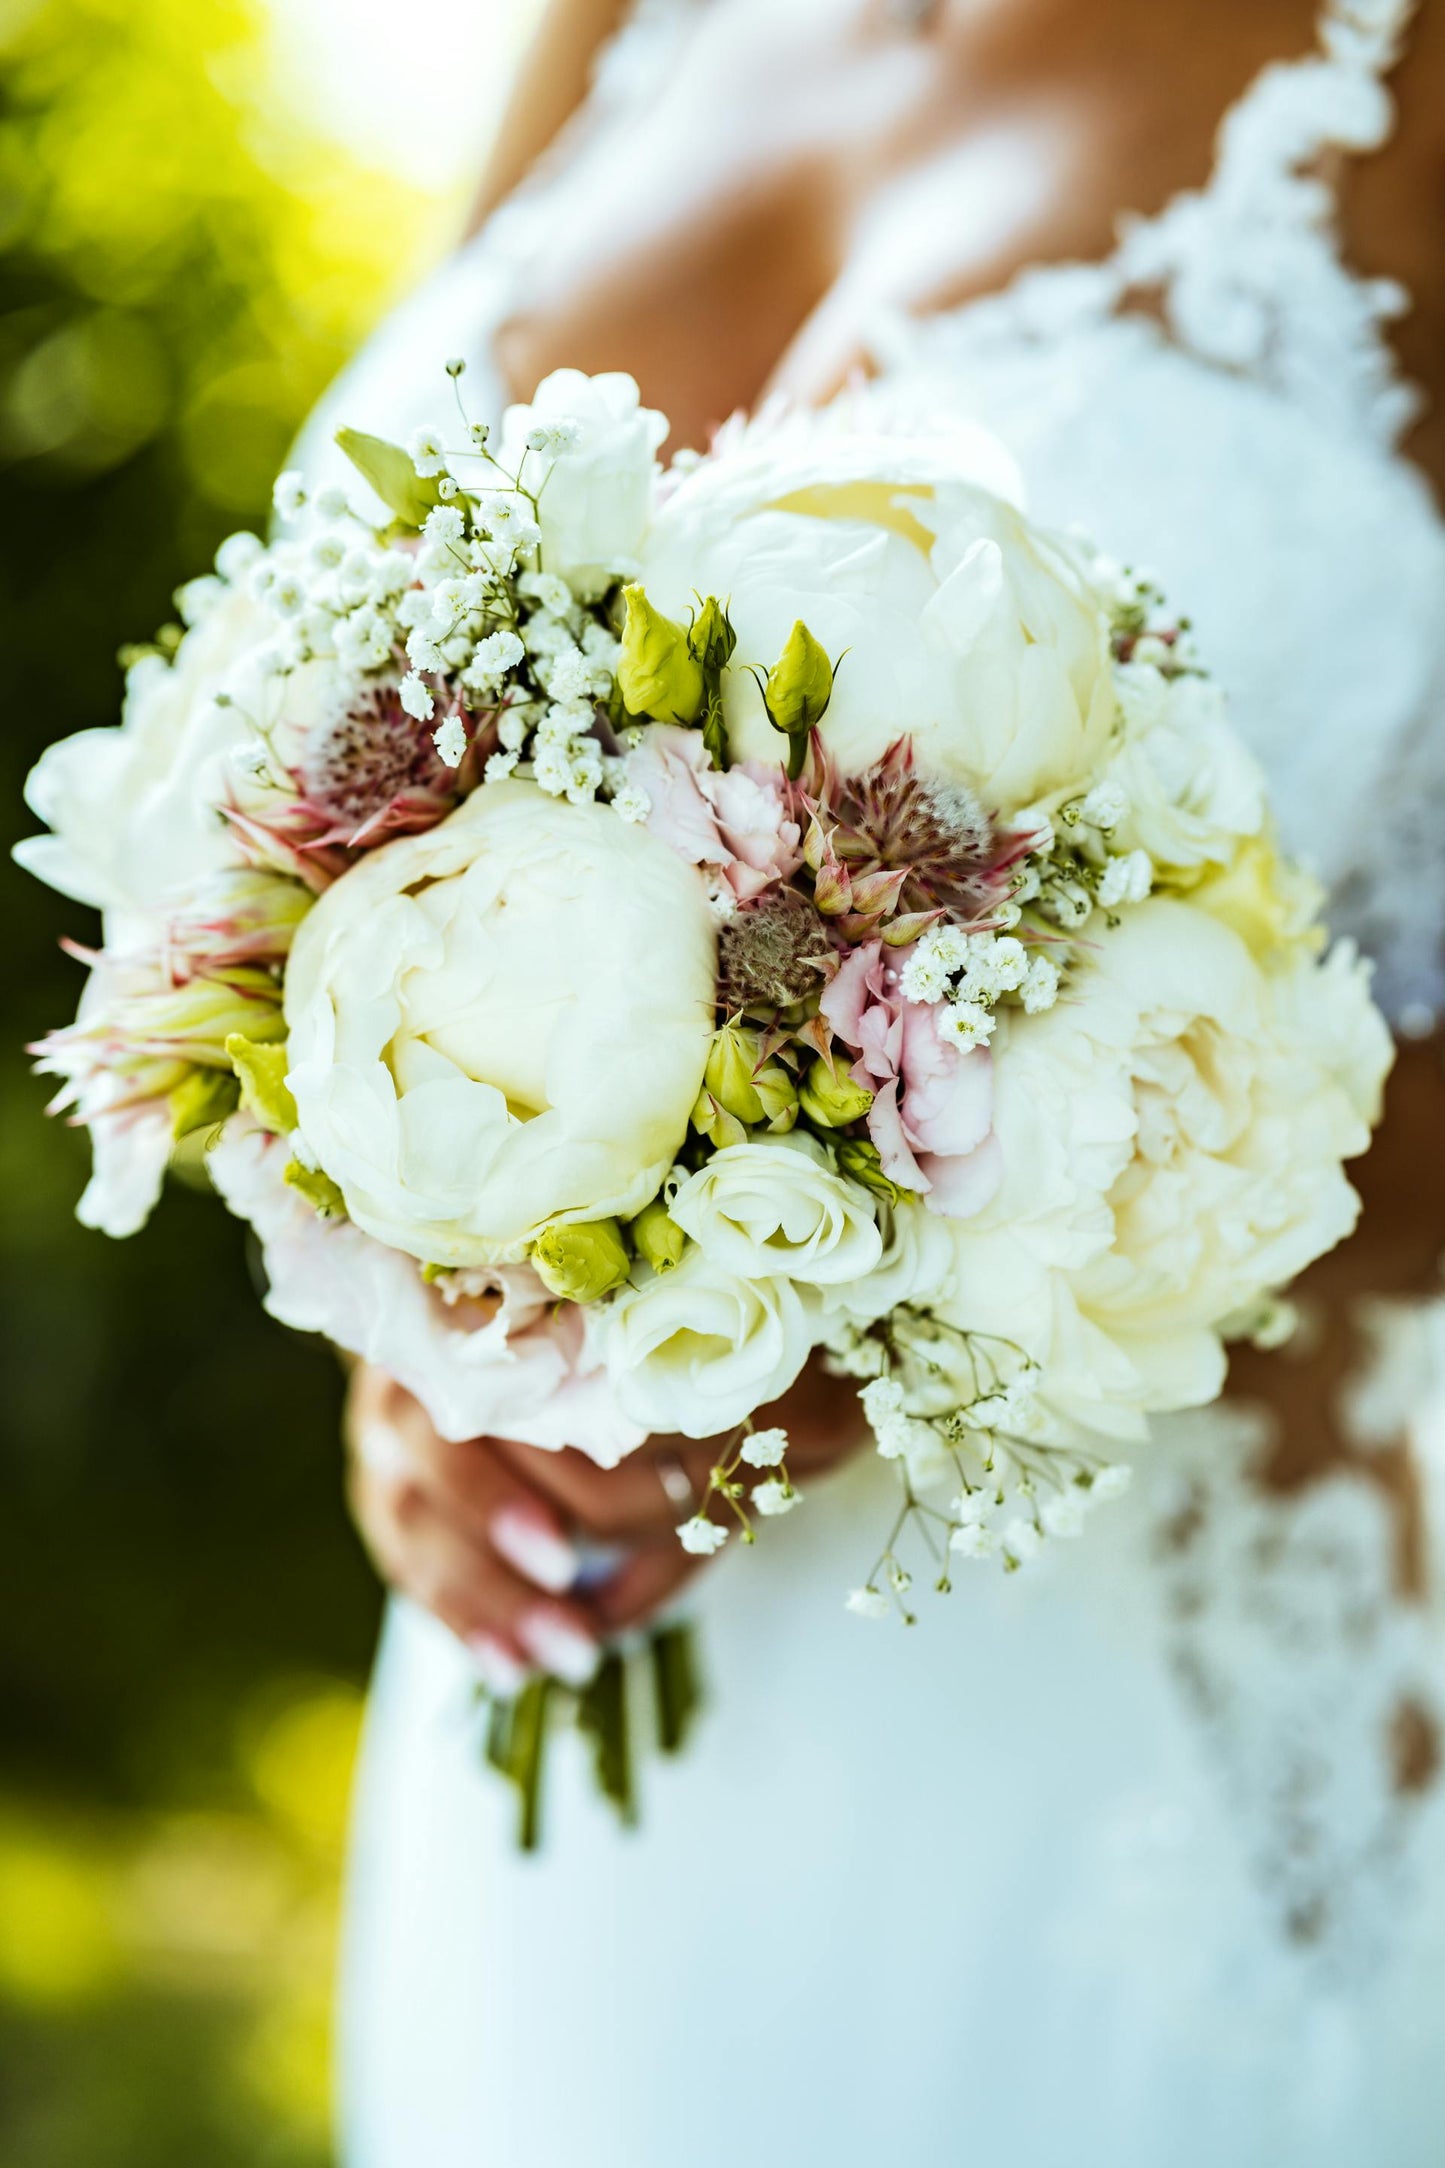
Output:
[[501, 1023], [698, 1349], [596, 499], [1193, 789], [1172, 1139], [776, 1207], [949, 615], [506, 1364]]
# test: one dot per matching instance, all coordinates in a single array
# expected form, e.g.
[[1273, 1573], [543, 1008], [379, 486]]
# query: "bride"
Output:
[[1169, 1882]]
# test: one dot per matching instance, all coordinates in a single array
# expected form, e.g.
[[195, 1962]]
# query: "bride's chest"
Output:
[[762, 178]]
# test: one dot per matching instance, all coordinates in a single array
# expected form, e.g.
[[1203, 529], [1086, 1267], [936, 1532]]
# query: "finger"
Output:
[[628, 1503], [642, 1586], [461, 1579], [471, 1482]]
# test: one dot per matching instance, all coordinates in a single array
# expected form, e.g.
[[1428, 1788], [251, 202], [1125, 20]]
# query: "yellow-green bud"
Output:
[[830, 1098], [743, 1089], [264, 1093], [715, 1123], [581, 1262], [202, 1099], [798, 689], [658, 1239], [657, 672], [320, 1192], [712, 638], [859, 1160]]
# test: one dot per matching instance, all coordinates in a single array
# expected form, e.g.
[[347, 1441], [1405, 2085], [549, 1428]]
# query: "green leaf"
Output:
[[262, 1073], [391, 474], [676, 1692], [602, 1719]]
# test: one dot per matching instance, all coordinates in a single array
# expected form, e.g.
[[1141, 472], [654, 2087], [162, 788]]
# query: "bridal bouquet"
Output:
[[620, 931]]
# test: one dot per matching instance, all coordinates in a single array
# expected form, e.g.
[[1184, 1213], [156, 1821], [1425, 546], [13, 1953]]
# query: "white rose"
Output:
[[914, 1265], [776, 1207], [500, 1023], [597, 496], [508, 1364], [699, 1349], [963, 625], [1172, 1140], [1193, 787], [133, 805]]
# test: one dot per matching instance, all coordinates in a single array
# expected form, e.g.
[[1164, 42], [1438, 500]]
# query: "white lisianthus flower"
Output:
[[777, 1207], [915, 1264], [1172, 1140], [698, 1350], [962, 624], [501, 1023], [133, 806], [598, 471], [1193, 789]]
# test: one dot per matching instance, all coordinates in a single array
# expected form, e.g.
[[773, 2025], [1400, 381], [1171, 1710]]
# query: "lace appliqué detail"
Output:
[[1312, 1678], [1247, 271], [1250, 268]]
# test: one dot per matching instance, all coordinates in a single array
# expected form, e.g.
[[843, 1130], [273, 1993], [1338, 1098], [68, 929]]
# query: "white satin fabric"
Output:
[[1136, 1857]]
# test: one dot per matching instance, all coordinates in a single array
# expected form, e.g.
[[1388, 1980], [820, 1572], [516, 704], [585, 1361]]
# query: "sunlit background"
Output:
[[203, 206]]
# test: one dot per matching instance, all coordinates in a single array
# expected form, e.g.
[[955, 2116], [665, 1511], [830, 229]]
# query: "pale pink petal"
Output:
[[947, 1094], [847, 996], [962, 1186], [885, 1127]]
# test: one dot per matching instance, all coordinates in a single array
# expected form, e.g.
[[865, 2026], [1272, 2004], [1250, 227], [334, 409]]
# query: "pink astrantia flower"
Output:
[[737, 821], [932, 1111]]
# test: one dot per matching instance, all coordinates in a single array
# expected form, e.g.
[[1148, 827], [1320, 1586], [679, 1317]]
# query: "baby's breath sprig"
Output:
[[945, 1400], [765, 1451]]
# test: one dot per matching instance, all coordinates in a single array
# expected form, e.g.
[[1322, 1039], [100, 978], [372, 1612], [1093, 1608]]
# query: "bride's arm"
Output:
[[551, 83]]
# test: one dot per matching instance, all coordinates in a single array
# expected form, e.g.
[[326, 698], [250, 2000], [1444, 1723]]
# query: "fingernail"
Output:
[[543, 1557], [559, 1647], [497, 1668], [381, 1449]]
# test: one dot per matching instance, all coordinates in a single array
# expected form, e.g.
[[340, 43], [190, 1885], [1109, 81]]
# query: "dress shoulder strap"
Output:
[[1249, 270]]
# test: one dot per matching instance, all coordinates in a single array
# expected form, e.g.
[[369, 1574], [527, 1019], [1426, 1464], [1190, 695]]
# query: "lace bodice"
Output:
[[1219, 398]]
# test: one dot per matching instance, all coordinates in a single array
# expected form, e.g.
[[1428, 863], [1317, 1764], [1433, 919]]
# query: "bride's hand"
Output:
[[501, 1541]]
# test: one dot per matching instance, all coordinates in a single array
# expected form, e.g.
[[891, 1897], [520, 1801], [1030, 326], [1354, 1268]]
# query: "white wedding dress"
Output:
[[1134, 1858]]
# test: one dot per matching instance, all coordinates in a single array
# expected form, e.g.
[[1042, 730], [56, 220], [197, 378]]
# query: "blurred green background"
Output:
[[185, 1619]]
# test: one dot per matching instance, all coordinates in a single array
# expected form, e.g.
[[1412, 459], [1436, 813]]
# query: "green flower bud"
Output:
[[830, 1098], [715, 1123], [262, 1072], [657, 1238], [581, 1262], [320, 1192], [741, 1088], [779, 1095], [201, 1100], [859, 1160], [796, 694], [712, 638], [657, 672]]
